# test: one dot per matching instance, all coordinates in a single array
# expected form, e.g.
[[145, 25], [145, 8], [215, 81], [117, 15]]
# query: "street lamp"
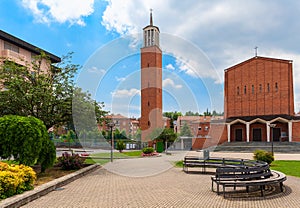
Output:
[[272, 144], [111, 126]]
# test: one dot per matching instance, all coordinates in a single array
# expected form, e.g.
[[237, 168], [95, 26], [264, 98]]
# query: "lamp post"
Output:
[[111, 126], [272, 144]]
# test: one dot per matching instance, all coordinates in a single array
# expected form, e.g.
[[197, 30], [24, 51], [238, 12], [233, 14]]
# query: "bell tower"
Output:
[[151, 81]]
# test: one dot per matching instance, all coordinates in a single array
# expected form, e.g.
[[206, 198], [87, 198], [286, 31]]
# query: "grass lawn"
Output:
[[102, 158], [288, 167]]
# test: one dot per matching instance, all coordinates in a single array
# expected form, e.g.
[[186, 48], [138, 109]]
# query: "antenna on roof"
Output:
[[255, 48]]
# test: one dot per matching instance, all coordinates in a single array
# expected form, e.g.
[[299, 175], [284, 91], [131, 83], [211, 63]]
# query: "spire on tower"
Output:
[[151, 20]]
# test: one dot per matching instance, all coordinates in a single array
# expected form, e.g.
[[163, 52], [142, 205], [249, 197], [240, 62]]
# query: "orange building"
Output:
[[259, 100], [151, 82]]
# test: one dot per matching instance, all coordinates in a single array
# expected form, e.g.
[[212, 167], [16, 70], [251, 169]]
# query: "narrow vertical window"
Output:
[[260, 88], [252, 89], [276, 87], [245, 89], [268, 87], [238, 90]]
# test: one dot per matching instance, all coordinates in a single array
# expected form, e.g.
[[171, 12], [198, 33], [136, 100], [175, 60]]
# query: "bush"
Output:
[[148, 150], [27, 140], [70, 162], [15, 179], [120, 145], [263, 156]]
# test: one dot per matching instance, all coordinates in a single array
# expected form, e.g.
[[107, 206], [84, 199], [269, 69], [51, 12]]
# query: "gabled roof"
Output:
[[259, 58], [23, 44]]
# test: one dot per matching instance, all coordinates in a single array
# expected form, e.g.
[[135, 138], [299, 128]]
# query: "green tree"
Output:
[[27, 140], [44, 94], [167, 135], [172, 116], [185, 130], [190, 113], [120, 145]]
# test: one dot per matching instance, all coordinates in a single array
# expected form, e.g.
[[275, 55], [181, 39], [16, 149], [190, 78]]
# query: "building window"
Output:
[[148, 103], [252, 89], [245, 90], [276, 87], [11, 47], [148, 65], [148, 123], [206, 128], [268, 87], [238, 90], [260, 88]]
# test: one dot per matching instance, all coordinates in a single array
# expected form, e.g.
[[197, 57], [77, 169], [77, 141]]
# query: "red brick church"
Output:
[[258, 104], [259, 101]]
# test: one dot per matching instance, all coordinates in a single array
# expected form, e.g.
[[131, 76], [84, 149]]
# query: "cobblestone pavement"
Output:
[[170, 188]]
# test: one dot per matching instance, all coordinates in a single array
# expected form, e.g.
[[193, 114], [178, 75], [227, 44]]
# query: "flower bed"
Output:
[[15, 179], [150, 154]]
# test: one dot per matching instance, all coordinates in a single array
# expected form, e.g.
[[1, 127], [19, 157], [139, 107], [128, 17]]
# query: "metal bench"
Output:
[[246, 177]]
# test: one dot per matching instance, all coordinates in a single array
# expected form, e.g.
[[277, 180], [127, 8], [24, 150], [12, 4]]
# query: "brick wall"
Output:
[[259, 86], [151, 90]]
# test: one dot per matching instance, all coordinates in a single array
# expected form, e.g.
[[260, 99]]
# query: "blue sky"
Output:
[[199, 40]]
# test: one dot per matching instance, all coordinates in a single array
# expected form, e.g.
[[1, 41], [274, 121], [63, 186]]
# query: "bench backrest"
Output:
[[243, 172]]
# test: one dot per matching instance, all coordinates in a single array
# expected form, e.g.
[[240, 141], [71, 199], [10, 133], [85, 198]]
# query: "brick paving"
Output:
[[170, 188]]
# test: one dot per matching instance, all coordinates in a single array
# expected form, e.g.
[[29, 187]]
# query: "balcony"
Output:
[[13, 56]]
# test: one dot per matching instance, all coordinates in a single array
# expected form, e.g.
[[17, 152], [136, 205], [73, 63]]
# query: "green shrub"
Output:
[[263, 156], [148, 150], [27, 140], [120, 145], [15, 179], [70, 162]]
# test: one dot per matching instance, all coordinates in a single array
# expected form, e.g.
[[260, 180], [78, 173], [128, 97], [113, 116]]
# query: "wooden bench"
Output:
[[246, 177]]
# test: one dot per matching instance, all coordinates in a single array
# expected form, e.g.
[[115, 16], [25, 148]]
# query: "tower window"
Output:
[[260, 88], [148, 123], [148, 103], [245, 90], [268, 87], [238, 90], [276, 87], [252, 89]]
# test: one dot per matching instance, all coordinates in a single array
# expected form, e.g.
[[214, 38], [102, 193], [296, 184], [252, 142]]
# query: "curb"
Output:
[[28, 196]]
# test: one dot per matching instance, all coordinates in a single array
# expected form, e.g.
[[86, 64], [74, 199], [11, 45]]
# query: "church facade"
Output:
[[259, 101]]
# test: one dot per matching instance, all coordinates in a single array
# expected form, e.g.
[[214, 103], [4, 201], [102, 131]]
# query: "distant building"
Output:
[[21, 52]]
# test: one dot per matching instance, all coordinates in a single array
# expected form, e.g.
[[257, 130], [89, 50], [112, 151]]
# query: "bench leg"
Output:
[[218, 189], [281, 186], [224, 191], [247, 189], [262, 191], [212, 185]]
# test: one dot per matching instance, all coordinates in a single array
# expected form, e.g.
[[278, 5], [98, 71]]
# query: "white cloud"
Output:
[[124, 93], [170, 67], [169, 82], [225, 32], [61, 11], [120, 79], [94, 69]]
